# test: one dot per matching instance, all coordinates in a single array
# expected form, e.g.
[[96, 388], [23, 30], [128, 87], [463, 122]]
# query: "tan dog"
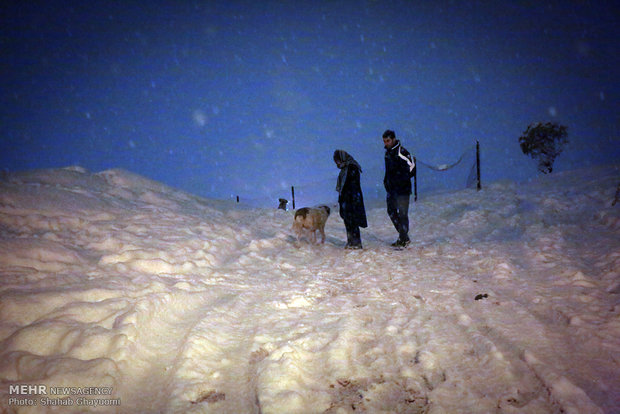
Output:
[[313, 219]]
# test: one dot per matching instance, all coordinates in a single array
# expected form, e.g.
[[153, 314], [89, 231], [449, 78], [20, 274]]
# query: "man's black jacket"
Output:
[[399, 168]]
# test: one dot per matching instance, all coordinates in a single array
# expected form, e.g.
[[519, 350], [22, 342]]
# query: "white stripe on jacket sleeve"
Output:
[[408, 160]]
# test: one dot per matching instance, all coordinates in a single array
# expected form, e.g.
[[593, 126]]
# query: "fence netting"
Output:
[[454, 175], [433, 175]]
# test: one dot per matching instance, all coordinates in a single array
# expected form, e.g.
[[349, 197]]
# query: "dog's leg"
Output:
[[322, 230], [297, 231]]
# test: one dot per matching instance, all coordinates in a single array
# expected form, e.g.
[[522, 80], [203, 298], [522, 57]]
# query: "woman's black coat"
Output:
[[351, 199]]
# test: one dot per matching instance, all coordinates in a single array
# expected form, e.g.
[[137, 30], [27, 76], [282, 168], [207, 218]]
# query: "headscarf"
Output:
[[343, 158]]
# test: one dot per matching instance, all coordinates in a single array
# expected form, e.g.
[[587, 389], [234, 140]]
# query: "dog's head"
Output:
[[302, 213], [326, 209]]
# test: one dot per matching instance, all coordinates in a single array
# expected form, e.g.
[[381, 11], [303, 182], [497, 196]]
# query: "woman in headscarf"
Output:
[[350, 198]]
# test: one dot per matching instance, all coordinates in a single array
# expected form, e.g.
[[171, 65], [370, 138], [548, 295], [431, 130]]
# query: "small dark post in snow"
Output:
[[237, 199], [293, 194], [415, 181], [617, 197], [478, 184]]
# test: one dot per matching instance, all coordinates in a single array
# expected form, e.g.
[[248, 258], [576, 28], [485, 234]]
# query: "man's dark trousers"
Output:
[[398, 210]]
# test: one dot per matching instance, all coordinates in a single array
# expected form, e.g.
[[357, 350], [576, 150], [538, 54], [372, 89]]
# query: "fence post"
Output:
[[293, 194], [478, 185], [415, 180]]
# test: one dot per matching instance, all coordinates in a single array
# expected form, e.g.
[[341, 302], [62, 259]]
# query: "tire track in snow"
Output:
[[163, 321]]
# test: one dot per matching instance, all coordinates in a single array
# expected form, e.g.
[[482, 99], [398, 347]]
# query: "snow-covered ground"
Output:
[[507, 301]]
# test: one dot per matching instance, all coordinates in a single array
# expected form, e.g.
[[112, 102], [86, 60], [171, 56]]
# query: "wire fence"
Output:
[[460, 173]]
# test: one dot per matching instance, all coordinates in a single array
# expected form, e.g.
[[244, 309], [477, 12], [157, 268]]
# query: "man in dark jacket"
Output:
[[350, 198], [399, 168]]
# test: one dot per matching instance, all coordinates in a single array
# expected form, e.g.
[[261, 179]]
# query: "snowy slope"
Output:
[[507, 301]]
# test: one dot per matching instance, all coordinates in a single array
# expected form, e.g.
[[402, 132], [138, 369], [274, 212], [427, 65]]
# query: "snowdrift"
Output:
[[120, 294]]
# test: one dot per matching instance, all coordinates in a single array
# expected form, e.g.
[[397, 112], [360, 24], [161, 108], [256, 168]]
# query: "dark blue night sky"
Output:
[[251, 97]]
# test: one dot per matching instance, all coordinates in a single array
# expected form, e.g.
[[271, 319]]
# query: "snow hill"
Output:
[[120, 294]]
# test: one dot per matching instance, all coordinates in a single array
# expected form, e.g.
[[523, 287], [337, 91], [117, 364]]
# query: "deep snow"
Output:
[[507, 301]]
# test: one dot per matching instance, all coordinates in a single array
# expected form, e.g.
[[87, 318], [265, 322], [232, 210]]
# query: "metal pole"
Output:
[[478, 185], [415, 180], [293, 194]]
